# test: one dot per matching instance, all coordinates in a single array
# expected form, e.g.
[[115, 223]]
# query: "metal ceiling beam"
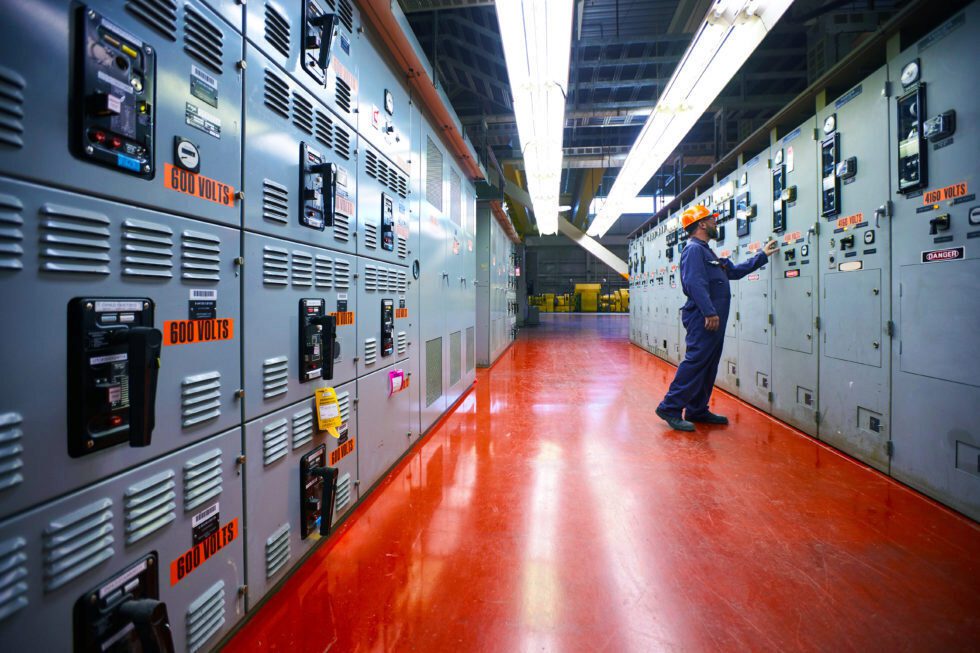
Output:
[[591, 181], [415, 6], [593, 247]]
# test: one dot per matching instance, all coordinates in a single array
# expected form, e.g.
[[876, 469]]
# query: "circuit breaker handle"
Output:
[[326, 23], [329, 340], [328, 173], [152, 624], [143, 354], [328, 496]]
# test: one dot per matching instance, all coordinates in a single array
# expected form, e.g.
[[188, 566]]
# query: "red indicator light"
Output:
[[115, 420], [97, 136], [116, 142]]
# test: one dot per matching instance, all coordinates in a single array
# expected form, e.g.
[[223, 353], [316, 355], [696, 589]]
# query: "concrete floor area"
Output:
[[553, 511]]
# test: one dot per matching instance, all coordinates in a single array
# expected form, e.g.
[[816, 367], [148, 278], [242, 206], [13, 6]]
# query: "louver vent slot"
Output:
[[323, 271], [202, 479], [149, 505], [343, 404], [402, 248], [73, 240], [370, 351], [302, 113], [342, 95], [341, 274], [341, 227], [11, 222], [402, 282], [275, 377], [324, 128], [200, 256], [147, 250], [12, 88], [455, 357], [341, 141], [433, 174], [200, 398], [277, 552], [470, 348], [205, 616], [275, 266], [343, 497], [276, 30], [455, 201], [11, 449], [371, 164], [370, 278], [275, 201], [276, 94], [400, 184], [392, 280], [302, 428], [13, 576], [371, 235], [274, 441], [76, 543], [402, 343], [346, 11], [160, 15], [202, 40], [302, 270]]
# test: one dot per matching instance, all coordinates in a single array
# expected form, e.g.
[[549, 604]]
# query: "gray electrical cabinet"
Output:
[[751, 224], [383, 324], [168, 531], [855, 307], [933, 127], [726, 246], [793, 270], [285, 281], [100, 267], [286, 505], [386, 429]]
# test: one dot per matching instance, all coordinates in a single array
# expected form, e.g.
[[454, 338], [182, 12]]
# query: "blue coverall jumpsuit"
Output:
[[704, 279]]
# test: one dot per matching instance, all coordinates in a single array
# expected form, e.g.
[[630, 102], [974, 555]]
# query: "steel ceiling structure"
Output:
[[623, 54]]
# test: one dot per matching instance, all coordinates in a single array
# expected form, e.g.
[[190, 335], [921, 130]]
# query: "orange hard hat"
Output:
[[695, 213]]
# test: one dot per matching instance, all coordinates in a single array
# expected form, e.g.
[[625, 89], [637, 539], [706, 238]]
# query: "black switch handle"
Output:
[[152, 623], [328, 172], [328, 495], [326, 23], [144, 366]]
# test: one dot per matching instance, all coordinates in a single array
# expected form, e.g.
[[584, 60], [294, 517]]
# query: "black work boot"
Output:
[[707, 417], [675, 423]]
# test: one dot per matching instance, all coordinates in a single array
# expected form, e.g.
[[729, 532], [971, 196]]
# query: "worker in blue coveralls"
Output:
[[704, 279]]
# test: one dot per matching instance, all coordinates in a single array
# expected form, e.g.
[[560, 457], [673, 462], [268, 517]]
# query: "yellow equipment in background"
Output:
[[588, 296]]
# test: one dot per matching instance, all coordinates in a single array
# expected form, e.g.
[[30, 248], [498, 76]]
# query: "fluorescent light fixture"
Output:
[[537, 40], [731, 31]]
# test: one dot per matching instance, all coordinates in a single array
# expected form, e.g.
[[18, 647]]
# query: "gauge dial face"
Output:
[[779, 157], [910, 74], [389, 102], [830, 124]]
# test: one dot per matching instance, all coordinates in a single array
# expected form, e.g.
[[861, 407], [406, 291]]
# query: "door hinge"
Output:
[[816, 416], [737, 316], [891, 329], [738, 382], [816, 323], [770, 396], [890, 448], [770, 318], [886, 90]]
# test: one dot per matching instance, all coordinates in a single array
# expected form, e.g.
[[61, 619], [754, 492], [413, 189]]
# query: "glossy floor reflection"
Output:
[[554, 512]]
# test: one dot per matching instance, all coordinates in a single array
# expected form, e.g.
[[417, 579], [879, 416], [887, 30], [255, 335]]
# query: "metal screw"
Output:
[[149, 50], [146, 305], [91, 14], [90, 443], [239, 393], [89, 149], [243, 590], [242, 65], [149, 563], [93, 599], [88, 306], [240, 460], [146, 168]]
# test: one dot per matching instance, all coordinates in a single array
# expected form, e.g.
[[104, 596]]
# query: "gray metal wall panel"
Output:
[[272, 490], [279, 116], [390, 133], [57, 571], [278, 274], [934, 409], [46, 124], [380, 182], [90, 252], [385, 429], [376, 282]]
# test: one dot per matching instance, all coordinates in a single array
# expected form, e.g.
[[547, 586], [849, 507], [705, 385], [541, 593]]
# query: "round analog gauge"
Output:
[[910, 74], [389, 102], [830, 124], [779, 157]]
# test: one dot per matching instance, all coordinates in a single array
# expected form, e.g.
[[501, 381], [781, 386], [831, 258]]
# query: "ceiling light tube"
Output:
[[731, 31], [537, 39]]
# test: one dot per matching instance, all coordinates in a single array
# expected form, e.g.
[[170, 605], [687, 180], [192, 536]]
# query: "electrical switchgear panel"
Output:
[[317, 336], [830, 184], [318, 183], [113, 110], [742, 214], [113, 363], [317, 491], [124, 613], [912, 171], [387, 222], [387, 327], [778, 203], [319, 31]]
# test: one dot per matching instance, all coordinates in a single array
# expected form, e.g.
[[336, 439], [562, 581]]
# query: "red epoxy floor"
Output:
[[554, 512]]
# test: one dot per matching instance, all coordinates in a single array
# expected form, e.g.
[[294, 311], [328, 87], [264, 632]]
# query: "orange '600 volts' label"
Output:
[[344, 318], [191, 183], [201, 552], [186, 332]]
